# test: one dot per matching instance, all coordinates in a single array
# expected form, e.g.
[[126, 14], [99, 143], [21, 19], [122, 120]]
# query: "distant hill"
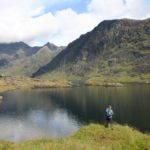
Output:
[[113, 48], [20, 59]]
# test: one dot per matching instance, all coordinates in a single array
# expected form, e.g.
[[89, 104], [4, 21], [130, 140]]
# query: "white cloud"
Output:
[[138, 9], [72, 25], [26, 21], [111, 9], [28, 28], [106, 8]]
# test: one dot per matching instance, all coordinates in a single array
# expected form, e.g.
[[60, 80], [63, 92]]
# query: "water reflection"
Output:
[[130, 103], [36, 125], [60, 112], [32, 116]]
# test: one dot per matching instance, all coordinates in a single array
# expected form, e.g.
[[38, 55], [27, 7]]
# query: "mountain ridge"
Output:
[[20, 59], [113, 47]]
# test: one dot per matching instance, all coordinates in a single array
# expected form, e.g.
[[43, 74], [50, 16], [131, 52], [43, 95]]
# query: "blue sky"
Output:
[[78, 5], [37, 22]]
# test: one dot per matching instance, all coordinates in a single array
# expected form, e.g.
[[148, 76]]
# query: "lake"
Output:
[[60, 112]]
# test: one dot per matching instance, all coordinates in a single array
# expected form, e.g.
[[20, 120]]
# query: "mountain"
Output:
[[53, 47], [19, 59], [114, 48]]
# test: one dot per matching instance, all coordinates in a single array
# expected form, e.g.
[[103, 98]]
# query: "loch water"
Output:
[[60, 112]]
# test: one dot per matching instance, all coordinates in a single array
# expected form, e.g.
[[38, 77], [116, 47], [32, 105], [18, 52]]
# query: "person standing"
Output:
[[109, 115]]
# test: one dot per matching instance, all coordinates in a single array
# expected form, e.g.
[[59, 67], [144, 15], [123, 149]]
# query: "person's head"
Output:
[[109, 106]]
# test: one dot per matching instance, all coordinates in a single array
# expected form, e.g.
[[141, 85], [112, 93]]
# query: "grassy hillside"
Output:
[[114, 49], [91, 137]]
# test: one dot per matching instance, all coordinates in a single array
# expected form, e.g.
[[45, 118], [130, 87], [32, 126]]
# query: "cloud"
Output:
[[29, 20], [71, 25], [138, 9], [106, 8], [111, 9]]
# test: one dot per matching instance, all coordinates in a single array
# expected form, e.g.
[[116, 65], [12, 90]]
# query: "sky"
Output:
[[37, 22]]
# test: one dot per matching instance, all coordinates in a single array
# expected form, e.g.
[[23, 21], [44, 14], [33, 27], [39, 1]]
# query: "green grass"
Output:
[[91, 137], [99, 80], [142, 78]]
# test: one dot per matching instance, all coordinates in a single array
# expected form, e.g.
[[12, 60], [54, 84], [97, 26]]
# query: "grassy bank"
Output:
[[97, 79], [91, 137], [13, 83], [64, 80], [116, 81]]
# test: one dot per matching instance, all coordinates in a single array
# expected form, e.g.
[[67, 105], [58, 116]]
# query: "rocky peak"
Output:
[[51, 46]]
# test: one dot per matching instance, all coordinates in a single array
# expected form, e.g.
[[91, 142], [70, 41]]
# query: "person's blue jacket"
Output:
[[109, 112]]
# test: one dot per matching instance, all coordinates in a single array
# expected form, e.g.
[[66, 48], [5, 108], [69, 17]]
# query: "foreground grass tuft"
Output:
[[91, 137]]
